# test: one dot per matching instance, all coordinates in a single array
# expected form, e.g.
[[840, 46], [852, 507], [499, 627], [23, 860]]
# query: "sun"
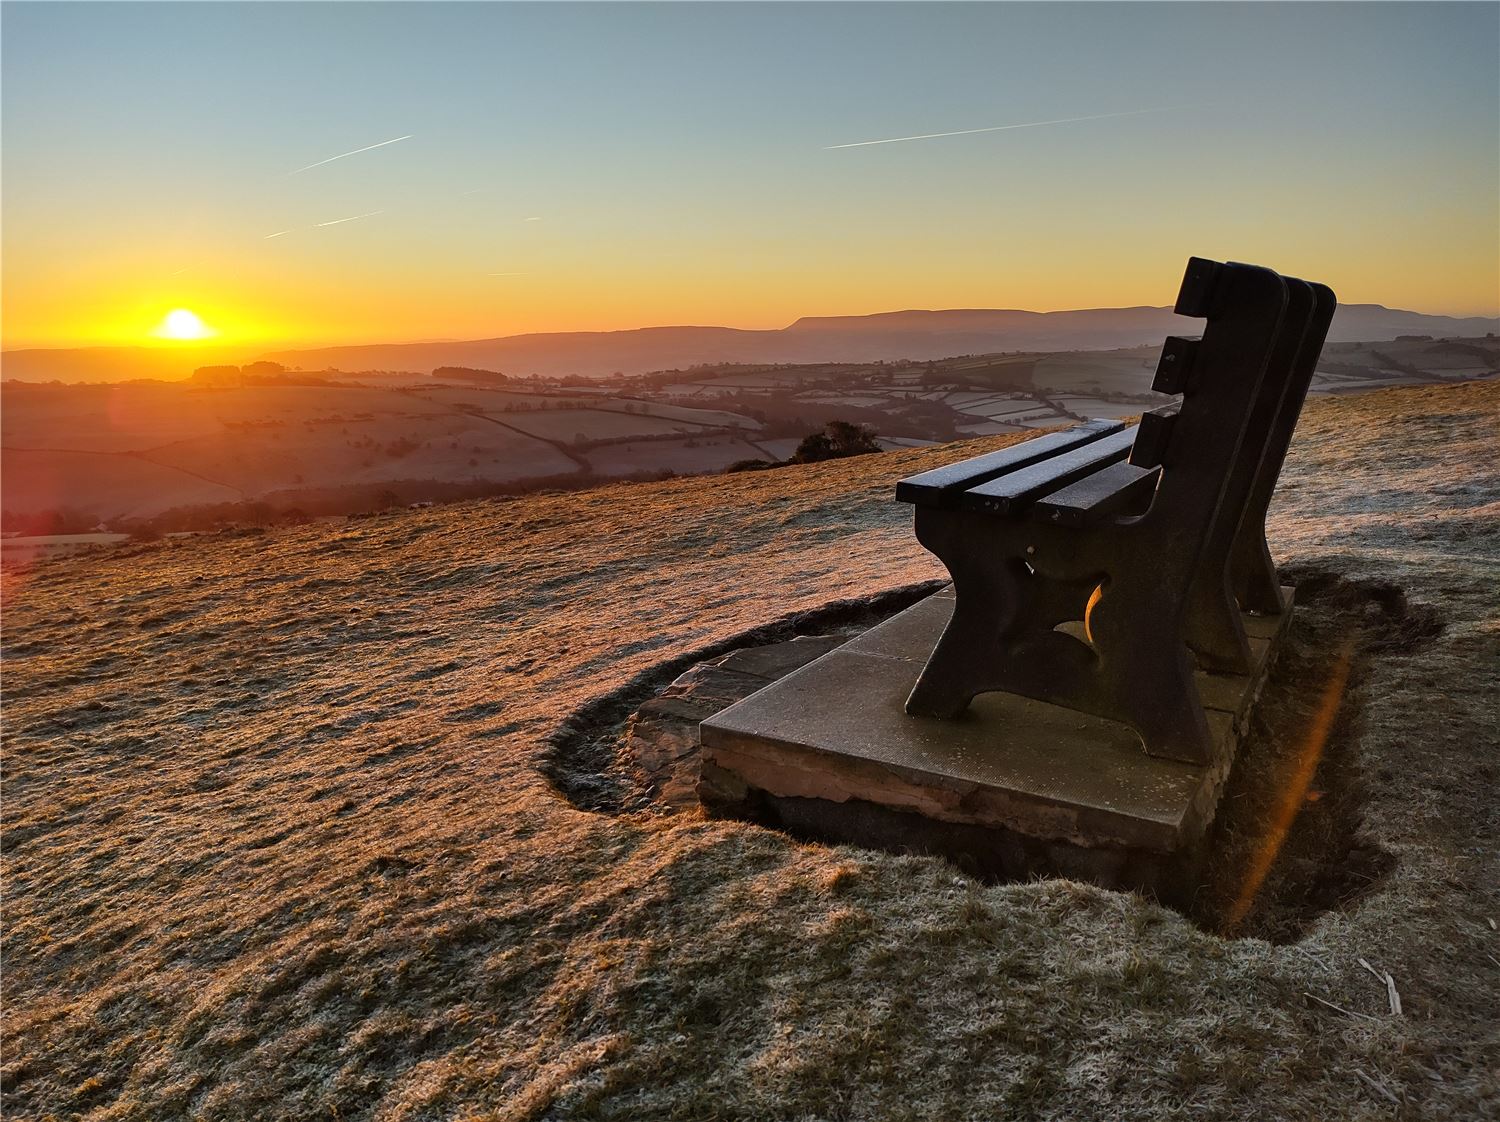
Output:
[[180, 323]]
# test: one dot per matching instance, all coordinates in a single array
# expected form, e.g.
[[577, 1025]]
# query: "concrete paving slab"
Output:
[[776, 660], [837, 730]]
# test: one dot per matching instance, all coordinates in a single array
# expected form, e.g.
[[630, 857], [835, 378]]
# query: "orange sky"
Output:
[[149, 166]]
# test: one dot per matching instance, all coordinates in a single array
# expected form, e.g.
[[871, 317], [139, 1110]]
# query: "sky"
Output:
[[594, 167]]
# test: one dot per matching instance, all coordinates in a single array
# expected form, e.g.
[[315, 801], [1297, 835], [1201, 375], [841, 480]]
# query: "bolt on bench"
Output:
[[1113, 613]]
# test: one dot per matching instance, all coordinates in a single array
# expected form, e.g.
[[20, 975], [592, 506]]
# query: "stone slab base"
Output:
[[1014, 787], [662, 735]]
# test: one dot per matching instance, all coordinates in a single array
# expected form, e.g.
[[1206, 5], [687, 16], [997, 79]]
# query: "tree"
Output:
[[837, 440], [217, 376], [813, 448]]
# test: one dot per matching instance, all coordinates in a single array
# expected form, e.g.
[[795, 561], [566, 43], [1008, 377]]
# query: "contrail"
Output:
[[351, 218], [356, 152], [277, 234], [1002, 128]]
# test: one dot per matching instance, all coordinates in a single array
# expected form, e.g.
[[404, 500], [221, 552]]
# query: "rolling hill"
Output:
[[884, 336], [189, 455], [880, 337]]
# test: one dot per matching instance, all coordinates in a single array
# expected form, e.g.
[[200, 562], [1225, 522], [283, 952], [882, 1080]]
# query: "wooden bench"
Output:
[[1152, 535]]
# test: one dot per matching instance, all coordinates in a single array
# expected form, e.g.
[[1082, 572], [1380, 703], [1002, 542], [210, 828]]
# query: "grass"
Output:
[[277, 842]]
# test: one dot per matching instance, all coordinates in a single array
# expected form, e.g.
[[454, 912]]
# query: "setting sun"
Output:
[[183, 324]]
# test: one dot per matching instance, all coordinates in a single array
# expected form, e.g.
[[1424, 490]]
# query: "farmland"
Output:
[[983, 395], [136, 450], [194, 454]]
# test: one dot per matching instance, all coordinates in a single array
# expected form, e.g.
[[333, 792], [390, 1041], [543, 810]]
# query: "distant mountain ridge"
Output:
[[910, 334]]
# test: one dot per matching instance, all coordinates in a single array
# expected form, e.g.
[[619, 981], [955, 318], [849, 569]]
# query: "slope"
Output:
[[278, 844]]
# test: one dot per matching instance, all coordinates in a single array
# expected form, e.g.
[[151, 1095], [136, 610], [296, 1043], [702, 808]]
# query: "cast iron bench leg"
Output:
[[1136, 670], [1253, 575], [1218, 635], [999, 606], [1146, 670]]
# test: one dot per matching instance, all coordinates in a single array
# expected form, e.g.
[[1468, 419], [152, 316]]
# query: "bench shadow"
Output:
[[1257, 881]]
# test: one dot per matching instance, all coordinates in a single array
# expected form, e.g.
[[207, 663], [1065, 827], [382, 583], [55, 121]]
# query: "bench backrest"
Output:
[[1209, 446], [1279, 431], [1242, 385]]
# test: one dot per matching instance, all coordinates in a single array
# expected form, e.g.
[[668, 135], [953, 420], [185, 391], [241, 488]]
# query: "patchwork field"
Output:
[[115, 454], [679, 457], [133, 451], [104, 418], [975, 395], [778, 449], [994, 428], [1117, 372], [118, 484], [500, 401], [279, 841], [583, 425], [377, 450]]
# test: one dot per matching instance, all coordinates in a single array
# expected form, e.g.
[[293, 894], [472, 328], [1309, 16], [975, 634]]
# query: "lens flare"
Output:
[[1294, 793]]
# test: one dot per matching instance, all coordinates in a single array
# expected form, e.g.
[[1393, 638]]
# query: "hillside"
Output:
[[883, 336], [134, 451], [278, 841], [190, 455]]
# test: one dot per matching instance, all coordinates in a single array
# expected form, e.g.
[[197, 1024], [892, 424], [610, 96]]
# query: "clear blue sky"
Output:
[[627, 164]]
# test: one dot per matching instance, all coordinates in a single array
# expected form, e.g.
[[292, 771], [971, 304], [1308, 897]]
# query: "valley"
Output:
[[231, 448]]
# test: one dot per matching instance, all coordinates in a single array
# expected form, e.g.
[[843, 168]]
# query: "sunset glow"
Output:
[[662, 189]]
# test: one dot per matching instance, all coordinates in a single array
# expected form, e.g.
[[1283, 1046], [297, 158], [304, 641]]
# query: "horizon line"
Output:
[[282, 345]]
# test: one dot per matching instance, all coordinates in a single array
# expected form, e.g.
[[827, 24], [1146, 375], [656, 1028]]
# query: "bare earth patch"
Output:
[[278, 843]]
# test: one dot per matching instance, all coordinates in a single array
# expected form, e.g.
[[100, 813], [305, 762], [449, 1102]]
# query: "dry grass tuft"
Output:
[[841, 878]]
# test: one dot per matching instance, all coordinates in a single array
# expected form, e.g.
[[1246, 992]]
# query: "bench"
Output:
[[1152, 536]]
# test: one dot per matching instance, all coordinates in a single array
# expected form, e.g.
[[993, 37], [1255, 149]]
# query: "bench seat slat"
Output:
[[1118, 487], [1015, 490], [940, 486]]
